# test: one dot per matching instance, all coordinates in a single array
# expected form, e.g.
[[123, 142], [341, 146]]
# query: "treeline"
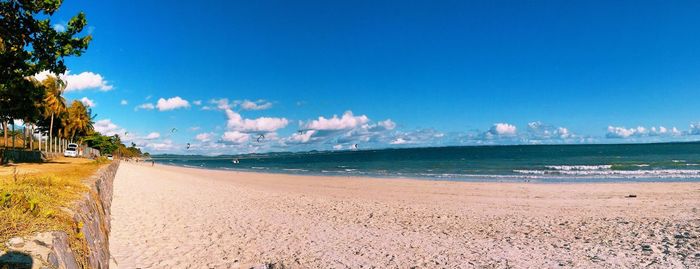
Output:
[[112, 145], [29, 44]]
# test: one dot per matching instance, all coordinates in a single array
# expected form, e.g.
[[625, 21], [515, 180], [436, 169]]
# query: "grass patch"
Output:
[[33, 197]]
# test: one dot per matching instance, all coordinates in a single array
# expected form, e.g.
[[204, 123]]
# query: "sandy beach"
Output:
[[172, 217]]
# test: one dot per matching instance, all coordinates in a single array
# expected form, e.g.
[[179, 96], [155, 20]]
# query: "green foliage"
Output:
[[28, 45], [112, 145], [131, 151], [20, 99], [105, 144], [79, 121], [53, 103]]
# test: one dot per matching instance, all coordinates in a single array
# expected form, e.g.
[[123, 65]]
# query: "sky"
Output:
[[255, 76]]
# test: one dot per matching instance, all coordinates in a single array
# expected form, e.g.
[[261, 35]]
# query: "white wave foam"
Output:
[[295, 170], [578, 167], [605, 173]]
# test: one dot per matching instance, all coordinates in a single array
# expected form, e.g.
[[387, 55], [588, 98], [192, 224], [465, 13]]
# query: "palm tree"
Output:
[[54, 103], [79, 121]]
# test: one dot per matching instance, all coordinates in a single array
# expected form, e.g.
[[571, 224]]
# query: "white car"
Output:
[[110, 157], [71, 150]]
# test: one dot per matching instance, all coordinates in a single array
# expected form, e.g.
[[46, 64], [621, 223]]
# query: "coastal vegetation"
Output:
[[36, 197], [29, 45]]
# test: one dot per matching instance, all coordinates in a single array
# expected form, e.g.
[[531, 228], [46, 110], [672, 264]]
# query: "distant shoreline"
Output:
[[667, 162], [476, 179], [156, 156]]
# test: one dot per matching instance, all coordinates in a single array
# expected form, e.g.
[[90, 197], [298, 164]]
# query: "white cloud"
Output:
[[224, 104], [663, 131], [124, 102], [235, 137], [162, 146], [107, 127], [197, 102], [255, 105], [621, 132], [204, 137], [338, 147], [641, 131], [146, 106], [346, 122], [387, 124], [423, 136], [263, 124], [399, 141], [79, 82], [540, 131], [85, 80], [302, 137], [346, 129], [152, 136], [695, 128], [59, 27], [563, 132], [172, 103], [195, 128], [503, 129], [220, 104], [87, 102]]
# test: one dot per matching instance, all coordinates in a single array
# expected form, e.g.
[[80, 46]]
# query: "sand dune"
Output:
[[170, 217]]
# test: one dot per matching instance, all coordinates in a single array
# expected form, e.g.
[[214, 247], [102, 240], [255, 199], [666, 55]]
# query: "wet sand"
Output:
[[172, 217]]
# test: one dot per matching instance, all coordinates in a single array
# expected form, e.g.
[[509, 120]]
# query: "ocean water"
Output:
[[538, 163]]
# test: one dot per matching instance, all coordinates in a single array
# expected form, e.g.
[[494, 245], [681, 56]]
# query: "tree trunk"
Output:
[[51, 131], [4, 131], [24, 136], [13, 135], [31, 136]]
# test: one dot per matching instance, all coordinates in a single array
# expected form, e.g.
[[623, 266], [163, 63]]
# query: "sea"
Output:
[[656, 162]]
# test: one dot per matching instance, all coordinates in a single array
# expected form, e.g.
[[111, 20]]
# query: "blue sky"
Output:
[[440, 72]]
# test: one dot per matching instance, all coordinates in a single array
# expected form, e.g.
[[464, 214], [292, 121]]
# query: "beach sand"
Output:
[[171, 217]]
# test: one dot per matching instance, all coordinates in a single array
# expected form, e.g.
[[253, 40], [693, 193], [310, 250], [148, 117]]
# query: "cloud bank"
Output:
[[80, 82]]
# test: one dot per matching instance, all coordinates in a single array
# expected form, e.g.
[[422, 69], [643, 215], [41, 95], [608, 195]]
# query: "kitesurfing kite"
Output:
[[261, 138], [173, 130], [188, 145]]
